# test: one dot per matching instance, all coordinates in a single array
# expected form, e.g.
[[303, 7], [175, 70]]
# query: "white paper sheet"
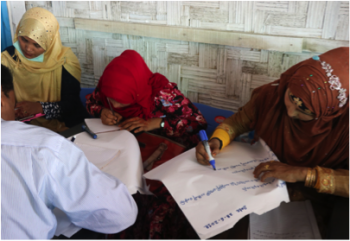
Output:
[[294, 220], [116, 153], [213, 201], [96, 126]]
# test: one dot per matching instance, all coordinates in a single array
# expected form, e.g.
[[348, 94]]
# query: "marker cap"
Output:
[[203, 135]]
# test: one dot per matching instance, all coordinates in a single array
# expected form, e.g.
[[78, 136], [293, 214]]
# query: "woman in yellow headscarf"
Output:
[[46, 74]]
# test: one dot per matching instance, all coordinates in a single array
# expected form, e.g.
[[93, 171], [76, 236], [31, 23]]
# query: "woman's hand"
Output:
[[27, 108], [202, 155], [140, 124], [108, 118], [280, 171]]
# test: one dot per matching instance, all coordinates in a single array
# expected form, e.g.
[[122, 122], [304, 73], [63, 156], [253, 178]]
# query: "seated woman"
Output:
[[144, 101], [46, 75], [304, 119]]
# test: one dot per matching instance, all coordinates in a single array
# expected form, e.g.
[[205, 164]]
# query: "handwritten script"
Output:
[[214, 201], [242, 167]]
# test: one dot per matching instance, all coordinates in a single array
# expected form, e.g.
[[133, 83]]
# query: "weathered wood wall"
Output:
[[217, 52]]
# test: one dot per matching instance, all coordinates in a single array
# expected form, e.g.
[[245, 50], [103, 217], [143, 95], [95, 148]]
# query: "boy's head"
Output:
[[8, 100]]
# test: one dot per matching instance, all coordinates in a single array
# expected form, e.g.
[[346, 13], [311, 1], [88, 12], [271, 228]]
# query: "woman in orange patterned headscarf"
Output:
[[304, 118], [46, 74]]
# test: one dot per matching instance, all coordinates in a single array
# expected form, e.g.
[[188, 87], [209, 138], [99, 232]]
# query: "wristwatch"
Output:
[[162, 124]]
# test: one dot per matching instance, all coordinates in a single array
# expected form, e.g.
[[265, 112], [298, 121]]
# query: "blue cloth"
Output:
[[41, 170], [6, 39]]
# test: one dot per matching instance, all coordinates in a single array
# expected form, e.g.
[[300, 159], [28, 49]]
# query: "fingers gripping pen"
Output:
[[203, 136]]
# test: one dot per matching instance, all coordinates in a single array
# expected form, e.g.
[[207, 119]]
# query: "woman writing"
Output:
[[128, 92], [144, 101], [46, 75], [304, 118]]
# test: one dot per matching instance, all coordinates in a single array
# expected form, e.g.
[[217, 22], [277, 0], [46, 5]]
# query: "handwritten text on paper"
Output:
[[246, 184]]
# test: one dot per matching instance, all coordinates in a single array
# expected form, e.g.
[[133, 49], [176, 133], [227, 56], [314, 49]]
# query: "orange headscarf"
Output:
[[323, 141]]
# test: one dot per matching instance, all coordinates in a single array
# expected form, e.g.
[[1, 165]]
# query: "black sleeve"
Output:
[[11, 51], [73, 111]]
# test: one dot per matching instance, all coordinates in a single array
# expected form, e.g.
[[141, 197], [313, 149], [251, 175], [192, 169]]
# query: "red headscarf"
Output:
[[323, 141], [128, 80]]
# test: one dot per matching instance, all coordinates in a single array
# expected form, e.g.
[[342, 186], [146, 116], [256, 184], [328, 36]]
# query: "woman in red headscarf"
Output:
[[145, 101], [304, 118]]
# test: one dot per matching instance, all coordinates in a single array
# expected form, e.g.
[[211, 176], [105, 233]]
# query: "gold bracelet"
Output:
[[311, 177], [308, 175], [314, 179]]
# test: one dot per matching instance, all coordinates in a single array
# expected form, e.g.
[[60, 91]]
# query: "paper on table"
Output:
[[96, 126], [116, 153], [213, 201], [294, 220], [101, 157]]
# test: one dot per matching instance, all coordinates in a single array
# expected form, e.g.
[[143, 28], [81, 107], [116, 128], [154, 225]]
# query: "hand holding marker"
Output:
[[203, 136], [110, 107]]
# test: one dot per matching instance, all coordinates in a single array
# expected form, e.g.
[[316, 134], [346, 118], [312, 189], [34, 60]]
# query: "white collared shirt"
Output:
[[41, 170]]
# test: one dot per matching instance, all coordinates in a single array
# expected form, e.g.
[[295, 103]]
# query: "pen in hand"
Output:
[[110, 107], [203, 136]]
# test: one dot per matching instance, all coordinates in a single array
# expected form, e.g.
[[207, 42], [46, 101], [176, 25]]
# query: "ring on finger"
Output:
[[267, 166]]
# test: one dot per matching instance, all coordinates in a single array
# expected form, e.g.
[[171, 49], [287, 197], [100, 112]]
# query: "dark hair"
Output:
[[6, 80]]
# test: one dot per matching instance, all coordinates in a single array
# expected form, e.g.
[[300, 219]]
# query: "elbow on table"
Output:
[[118, 220], [132, 212]]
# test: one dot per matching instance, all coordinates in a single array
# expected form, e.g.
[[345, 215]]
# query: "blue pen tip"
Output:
[[212, 163]]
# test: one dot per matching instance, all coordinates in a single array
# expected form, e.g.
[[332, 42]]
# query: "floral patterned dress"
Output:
[[159, 216]]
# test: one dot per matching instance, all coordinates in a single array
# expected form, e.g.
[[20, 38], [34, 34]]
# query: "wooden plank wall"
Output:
[[219, 75]]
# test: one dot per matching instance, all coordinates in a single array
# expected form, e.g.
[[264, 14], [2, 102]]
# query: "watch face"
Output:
[[162, 124]]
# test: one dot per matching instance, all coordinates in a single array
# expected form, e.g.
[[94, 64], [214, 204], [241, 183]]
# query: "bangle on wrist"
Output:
[[219, 141], [311, 177]]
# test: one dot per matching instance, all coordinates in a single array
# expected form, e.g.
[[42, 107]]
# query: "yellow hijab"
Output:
[[35, 81]]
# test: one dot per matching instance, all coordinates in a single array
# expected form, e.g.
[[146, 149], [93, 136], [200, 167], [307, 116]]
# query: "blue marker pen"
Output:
[[204, 138], [85, 128]]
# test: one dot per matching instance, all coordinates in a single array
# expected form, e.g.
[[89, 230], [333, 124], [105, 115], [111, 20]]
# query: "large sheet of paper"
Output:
[[96, 126], [114, 152], [213, 201], [294, 220]]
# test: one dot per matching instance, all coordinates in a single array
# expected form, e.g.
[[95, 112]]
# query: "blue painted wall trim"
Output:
[[6, 39]]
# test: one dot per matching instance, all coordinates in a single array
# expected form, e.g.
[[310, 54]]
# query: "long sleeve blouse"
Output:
[[331, 181], [182, 119]]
